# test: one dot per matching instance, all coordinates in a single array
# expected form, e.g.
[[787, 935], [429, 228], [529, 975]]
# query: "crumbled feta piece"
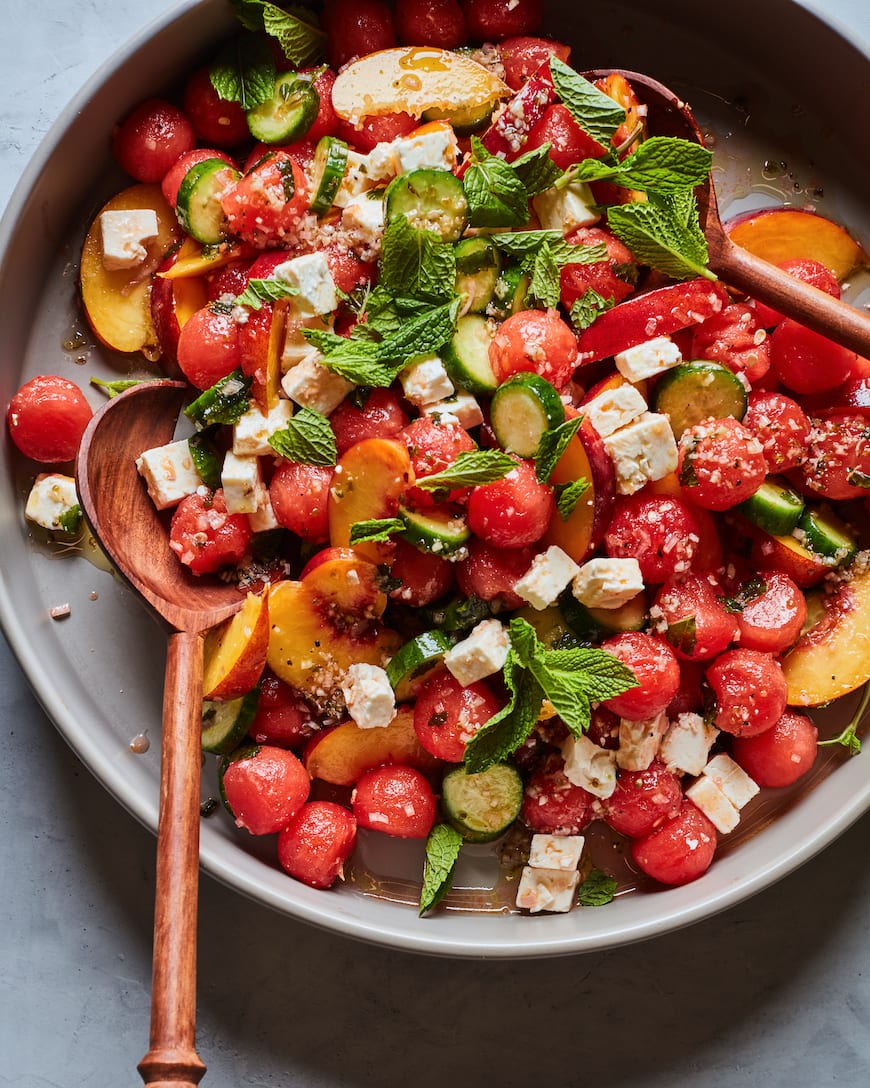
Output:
[[607, 583], [369, 696], [251, 433], [547, 889], [51, 496], [731, 779], [242, 481], [356, 178], [590, 767], [687, 744], [311, 277], [648, 359], [169, 473], [556, 852], [614, 408], [381, 163], [461, 408], [639, 742], [566, 209], [263, 518], [124, 235], [363, 219], [425, 380], [642, 451], [482, 653], [311, 385], [551, 571], [435, 149], [706, 795]]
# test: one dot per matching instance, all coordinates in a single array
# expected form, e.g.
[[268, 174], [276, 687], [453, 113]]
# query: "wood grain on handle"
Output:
[[172, 1059]]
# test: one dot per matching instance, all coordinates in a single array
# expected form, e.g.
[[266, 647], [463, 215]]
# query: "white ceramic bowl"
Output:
[[99, 673]]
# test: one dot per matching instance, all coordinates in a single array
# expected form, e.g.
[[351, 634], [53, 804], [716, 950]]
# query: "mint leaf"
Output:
[[553, 444], [496, 196], [664, 233], [259, 291], [594, 112], [849, 738], [536, 170], [589, 306], [416, 263], [683, 635], [506, 730], [307, 439], [356, 360], [206, 459], [113, 389], [470, 469], [525, 243], [568, 495], [661, 164], [296, 31], [244, 72], [224, 403], [442, 852], [70, 521], [545, 283], [375, 531], [421, 334], [597, 890], [857, 478]]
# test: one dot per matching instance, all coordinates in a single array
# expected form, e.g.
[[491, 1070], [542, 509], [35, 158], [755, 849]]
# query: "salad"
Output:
[[539, 529]]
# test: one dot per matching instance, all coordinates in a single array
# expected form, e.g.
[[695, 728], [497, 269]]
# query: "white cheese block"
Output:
[[263, 518], [706, 795], [482, 653], [642, 451], [731, 779], [547, 889], [687, 744], [551, 571], [435, 149], [252, 432], [169, 473], [311, 277], [369, 696], [566, 209], [425, 380], [556, 852], [607, 583], [590, 767], [363, 219], [53, 494], [460, 408], [639, 742], [310, 385], [614, 408], [242, 483], [124, 236], [648, 359]]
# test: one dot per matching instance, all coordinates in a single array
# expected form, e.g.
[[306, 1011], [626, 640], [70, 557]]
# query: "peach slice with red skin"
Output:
[[583, 530], [784, 234], [369, 480], [173, 302], [235, 652]]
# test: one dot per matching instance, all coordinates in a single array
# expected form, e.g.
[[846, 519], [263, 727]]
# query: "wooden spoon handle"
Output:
[[172, 1060], [818, 311]]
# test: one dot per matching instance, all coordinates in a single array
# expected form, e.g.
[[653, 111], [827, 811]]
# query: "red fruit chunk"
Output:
[[511, 512], [215, 120], [680, 850], [698, 625], [781, 426], [491, 573], [771, 620], [508, 133], [283, 717], [812, 272], [447, 715], [522, 56], [736, 339], [554, 806], [612, 278], [264, 206], [434, 447], [376, 129], [205, 537], [208, 347], [356, 27], [569, 144], [643, 800], [47, 418], [149, 140], [806, 362], [324, 124], [721, 463], [423, 576], [396, 800], [780, 755], [492, 20], [380, 416], [534, 340], [299, 495], [439, 23], [265, 789], [316, 843], [655, 668], [750, 691], [837, 454], [661, 533]]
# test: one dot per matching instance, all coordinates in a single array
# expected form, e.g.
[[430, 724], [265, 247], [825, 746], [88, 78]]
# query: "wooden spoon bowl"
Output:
[[134, 536]]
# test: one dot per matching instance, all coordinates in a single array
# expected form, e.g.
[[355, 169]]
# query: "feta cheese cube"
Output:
[[547, 889], [731, 779], [590, 767], [648, 359], [369, 696], [639, 742], [356, 179], [687, 744], [566, 209], [311, 385], [434, 149], [607, 583], [425, 380], [252, 432], [482, 653], [363, 219], [311, 277], [642, 451], [714, 804], [125, 234], [461, 408], [381, 164], [551, 571], [242, 481], [614, 408], [263, 518], [169, 473], [52, 495], [556, 852]]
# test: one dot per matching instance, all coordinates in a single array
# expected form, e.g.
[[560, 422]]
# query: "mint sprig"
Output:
[[664, 233], [661, 164], [295, 30], [590, 305], [536, 170], [470, 469], [114, 389], [569, 494], [375, 531], [257, 292], [552, 445], [596, 113], [442, 851], [244, 72], [597, 890], [849, 738], [496, 195], [525, 243], [416, 263], [225, 402], [308, 439]]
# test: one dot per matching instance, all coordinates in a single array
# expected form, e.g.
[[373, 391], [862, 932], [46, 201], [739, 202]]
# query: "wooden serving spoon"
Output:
[[669, 115], [127, 525]]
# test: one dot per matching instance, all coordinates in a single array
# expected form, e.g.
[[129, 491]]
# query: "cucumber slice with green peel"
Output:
[[477, 271], [327, 172], [464, 121], [482, 806], [631, 616], [579, 619], [288, 114], [775, 507], [415, 661], [198, 207], [695, 391], [432, 200], [466, 356], [511, 292], [825, 534], [549, 625], [437, 531], [225, 725], [523, 409]]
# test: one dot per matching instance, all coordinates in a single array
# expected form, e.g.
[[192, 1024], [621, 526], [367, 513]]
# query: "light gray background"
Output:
[[774, 991]]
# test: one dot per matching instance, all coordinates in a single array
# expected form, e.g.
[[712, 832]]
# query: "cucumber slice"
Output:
[[199, 208], [825, 534], [464, 121], [482, 806], [206, 459], [327, 172], [775, 507], [523, 409], [511, 292], [549, 625], [692, 392], [415, 661], [631, 616], [432, 200], [477, 271], [466, 357], [438, 531], [288, 114], [225, 725]]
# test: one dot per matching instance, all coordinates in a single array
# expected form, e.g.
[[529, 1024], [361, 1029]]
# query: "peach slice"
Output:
[[832, 658], [235, 652], [369, 481], [583, 530], [341, 755], [261, 342], [784, 234], [117, 302], [173, 303], [199, 262]]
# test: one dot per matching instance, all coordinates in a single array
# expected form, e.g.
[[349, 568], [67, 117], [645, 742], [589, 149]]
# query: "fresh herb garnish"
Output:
[[665, 233], [459, 615], [662, 164], [849, 738], [244, 72], [594, 111], [470, 469], [536, 170], [568, 495], [295, 30], [545, 283], [496, 195], [525, 243], [590, 305], [597, 890], [683, 634], [857, 478], [375, 531], [206, 459], [307, 439], [442, 852], [225, 402], [113, 389], [552, 445], [416, 263], [257, 292], [747, 593], [70, 521]]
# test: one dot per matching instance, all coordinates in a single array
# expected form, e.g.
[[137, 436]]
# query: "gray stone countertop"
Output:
[[775, 991]]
